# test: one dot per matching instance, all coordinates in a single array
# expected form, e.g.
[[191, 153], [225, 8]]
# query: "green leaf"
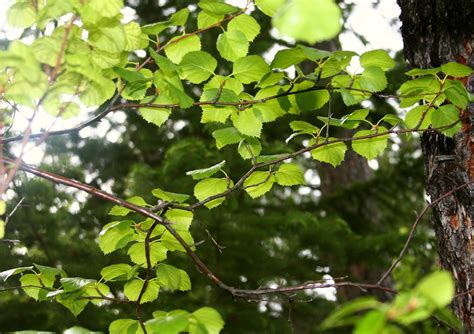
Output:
[[3, 207], [339, 315], [2, 228], [4, 275], [444, 116], [125, 326], [116, 272], [108, 38], [203, 173], [227, 136], [372, 322], [331, 153], [312, 100], [456, 93], [130, 75], [309, 20], [157, 116], [182, 219], [169, 196], [456, 70], [119, 211], [21, 15], [370, 148], [70, 284], [31, 285], [216, 7], [246, 24], [210, 319], [259, 183], [137, 253], [180, 17], [133, 288], [96, 290], [206, 19], [133, 36], [377, 58], [232, 45], [72, 302], [115, 235], [413, 116], [248, 123], [423, 71], [178, 47], [251, 68], [173, 244], [289, 174], [210, 187], [303, 127], [249, 148], [288, 57], [438, 287], [173, 278], [373, 79], [168, 323], [197, 66], [269, 7]]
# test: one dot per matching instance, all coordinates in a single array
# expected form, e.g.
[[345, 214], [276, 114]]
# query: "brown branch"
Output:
[[413, 228], [67, 30]]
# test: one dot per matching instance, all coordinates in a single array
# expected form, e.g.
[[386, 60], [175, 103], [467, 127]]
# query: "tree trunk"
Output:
[[435, 32]]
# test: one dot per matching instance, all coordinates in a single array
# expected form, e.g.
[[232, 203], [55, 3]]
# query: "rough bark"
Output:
[[436, 32]]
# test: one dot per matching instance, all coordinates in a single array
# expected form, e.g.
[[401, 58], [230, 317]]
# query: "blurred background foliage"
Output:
[[348, 222]]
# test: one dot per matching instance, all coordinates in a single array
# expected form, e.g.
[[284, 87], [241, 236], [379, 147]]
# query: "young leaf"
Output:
[[216, 7], [199, 174], [269, 7], [289, 174], [370, 148], [288, 57], [206, 19], [251, 68], [210, 319], [378, 58], [246, 24], [178, 47], [115, 235], [210, 187], [168, 322], [137, 253], [249, 148], [226, 136], [438, 288], [444, 116], [182, 219], [4, 275], [259, 183], [413, 116], [169, 196], [309, 20], [248, 123], [197, 66], [116, 272], [332, 153], [133, 288], [173, 278], [312, 100], [232, 45], [456, 70], [373, 79], [125, 326], [170, 242]]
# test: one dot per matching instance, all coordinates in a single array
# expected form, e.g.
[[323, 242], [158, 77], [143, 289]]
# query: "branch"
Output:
[[413, 228]]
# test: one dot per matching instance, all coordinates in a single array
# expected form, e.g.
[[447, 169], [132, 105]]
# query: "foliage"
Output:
[[88, 60]]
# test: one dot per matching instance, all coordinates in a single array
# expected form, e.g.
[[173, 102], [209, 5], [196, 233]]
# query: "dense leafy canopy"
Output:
[[205, 93]]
